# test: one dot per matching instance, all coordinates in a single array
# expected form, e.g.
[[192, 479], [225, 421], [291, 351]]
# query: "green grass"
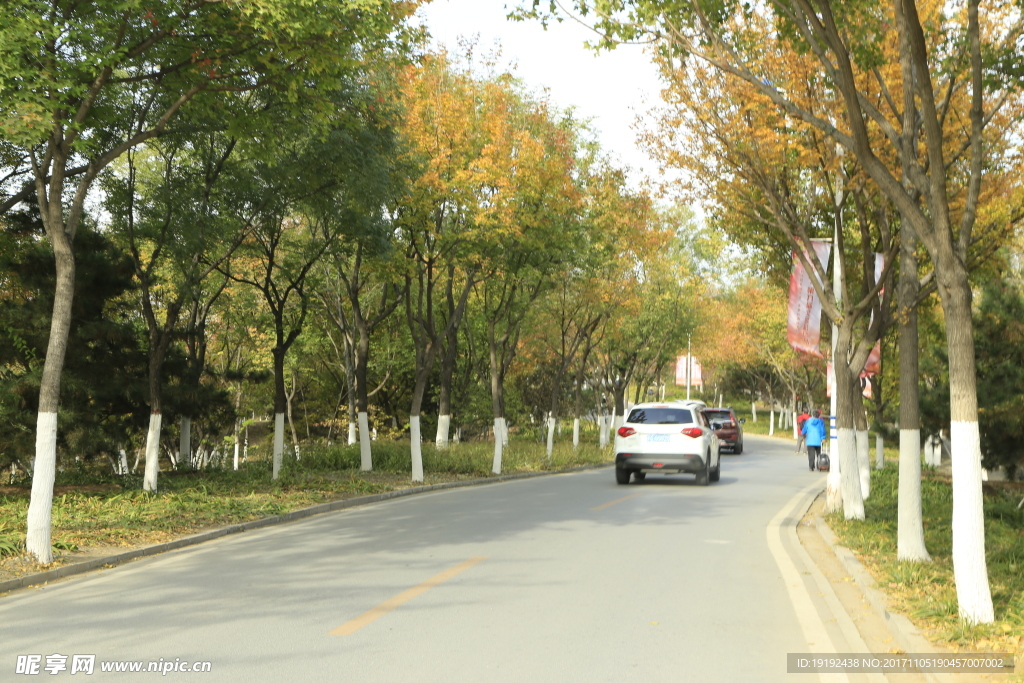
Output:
[[763, 421], [926, 591], [103, 509]]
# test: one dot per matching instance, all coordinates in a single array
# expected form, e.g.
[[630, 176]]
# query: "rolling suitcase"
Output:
[[823, 462]]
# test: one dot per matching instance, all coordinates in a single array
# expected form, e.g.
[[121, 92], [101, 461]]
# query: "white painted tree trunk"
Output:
[[909, 527], [834, 483], [365, 459], [969, 568], [122, 462], [771, 422], [236, 455], [185, 442], [149, 479], [496, 465], [575, 433], [417, 448], [753, 410], [443, 429], [879, 451], [40, 509], [444, 425], [853, 502], [616, 423], [353, 433], [864, 462], [602, 431], [793, 422], [551, 435], [278, 443]]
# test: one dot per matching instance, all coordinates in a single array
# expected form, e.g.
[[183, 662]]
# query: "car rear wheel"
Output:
[[639, 476], [717, 472], [705, 475], [621, 475]]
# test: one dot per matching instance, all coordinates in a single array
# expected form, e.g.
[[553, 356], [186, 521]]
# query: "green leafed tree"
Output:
[[82, 83]]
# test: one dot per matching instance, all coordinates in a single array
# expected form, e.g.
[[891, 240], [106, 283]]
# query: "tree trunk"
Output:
[[793, 417], [44, 471], [969, 562], [863, 442], [576, 433], [497, 398], [444, 422], [449, 355], [289, 401], [365, 460], [853, 503], [278, 444], [185, 442], [496, 464], [280, 406], [149, 479], [362, 359], [619, 392], [418, 392], [551, 434], [416, 451]]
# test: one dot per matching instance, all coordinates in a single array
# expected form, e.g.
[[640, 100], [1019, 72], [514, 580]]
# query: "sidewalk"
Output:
[[883, 632]]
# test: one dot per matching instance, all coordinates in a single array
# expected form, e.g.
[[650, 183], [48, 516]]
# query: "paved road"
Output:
[[581, 580]]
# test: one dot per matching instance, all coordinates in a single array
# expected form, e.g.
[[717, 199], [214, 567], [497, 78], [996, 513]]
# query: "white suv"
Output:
[[672, 437]]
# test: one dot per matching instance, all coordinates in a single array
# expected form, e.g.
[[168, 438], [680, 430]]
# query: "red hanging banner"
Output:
[[696, 377], [804, 324]]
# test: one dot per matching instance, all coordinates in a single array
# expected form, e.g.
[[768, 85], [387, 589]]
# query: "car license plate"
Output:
[[659, 438]]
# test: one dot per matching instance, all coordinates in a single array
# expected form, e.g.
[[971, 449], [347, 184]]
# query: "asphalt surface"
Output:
[[561, 578]]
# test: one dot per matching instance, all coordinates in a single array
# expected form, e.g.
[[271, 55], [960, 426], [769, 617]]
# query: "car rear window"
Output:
[[718, 414], [660, 416]]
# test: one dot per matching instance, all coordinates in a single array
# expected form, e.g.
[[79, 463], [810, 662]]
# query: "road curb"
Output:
[[903, 631], [319, 509]]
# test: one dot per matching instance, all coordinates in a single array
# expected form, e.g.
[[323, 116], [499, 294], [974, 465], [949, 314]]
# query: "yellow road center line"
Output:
[[380, 610], [608, 505]]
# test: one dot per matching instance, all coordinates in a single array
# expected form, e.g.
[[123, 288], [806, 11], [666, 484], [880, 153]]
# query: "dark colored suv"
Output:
[[728, 429]]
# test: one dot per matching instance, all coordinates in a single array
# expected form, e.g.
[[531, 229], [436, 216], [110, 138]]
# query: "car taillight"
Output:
[[729, 425], [693, 432], [626, 431]]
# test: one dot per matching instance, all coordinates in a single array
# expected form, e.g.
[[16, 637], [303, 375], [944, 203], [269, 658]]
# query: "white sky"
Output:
[[609, 88]]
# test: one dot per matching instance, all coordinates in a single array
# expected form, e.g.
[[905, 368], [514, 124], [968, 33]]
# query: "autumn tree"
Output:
[[945, 84]]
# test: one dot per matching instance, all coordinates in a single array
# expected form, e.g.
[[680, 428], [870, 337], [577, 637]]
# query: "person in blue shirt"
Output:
[[814, 431]]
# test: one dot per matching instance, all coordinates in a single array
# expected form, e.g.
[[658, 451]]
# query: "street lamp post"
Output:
[[689, 365]]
